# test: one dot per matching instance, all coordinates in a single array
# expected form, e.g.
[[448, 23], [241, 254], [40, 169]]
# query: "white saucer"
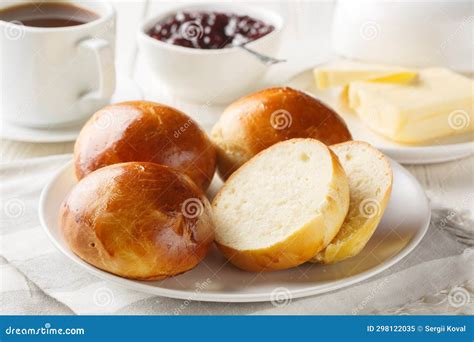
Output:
[[402, 227], [442, 150], [127, 90]]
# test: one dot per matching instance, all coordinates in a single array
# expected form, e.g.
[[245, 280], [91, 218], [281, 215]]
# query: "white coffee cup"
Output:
[[56, 76]]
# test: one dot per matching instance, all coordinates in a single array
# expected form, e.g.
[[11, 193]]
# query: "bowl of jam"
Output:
[[194, 50], [209, 30]]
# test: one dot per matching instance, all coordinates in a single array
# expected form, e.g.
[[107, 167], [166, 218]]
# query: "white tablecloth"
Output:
[[38, 279]]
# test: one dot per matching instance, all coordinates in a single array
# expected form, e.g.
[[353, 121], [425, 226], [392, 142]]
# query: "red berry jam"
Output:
[[209, 30]]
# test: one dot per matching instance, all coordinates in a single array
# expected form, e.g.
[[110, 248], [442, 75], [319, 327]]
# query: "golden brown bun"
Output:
[[138, 220], [259, 120], [147, 132]]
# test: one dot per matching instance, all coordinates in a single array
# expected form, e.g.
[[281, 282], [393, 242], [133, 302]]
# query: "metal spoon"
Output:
[[267, 60]]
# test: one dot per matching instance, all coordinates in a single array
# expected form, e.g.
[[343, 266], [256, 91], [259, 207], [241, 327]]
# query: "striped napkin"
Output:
[[38, 279]]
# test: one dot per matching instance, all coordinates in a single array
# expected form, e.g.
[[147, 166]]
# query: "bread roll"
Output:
[[370, 183], [138, 220], [282, 207], [147, 132], [267, 117]]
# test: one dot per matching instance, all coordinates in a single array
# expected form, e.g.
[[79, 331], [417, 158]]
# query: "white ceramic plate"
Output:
[[442, 150], [402, 227], [127, 90]]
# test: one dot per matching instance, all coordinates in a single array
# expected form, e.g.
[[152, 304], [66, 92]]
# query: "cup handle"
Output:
[[104, 56]]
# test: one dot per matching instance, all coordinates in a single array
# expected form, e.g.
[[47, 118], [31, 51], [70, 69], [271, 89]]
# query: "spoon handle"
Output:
[[267, 60]]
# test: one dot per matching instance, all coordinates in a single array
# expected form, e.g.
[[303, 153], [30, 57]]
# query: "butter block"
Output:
[[343, 73], [440, 103]]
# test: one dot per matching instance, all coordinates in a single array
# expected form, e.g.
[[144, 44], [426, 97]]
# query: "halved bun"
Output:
[[264, 118], [138, 220], [282, 207], [145, 131], [370, 183]]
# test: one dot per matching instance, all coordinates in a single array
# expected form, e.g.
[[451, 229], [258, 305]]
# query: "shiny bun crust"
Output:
[[147, 132], [138, 220], [262, 119]]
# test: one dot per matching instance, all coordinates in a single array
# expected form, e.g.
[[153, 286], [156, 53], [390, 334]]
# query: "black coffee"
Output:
[[48, 14]]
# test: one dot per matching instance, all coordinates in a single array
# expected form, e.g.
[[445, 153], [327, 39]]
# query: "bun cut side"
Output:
[[260, 120], [144, 131], [138, 220], [282, 207], [370, 182]]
